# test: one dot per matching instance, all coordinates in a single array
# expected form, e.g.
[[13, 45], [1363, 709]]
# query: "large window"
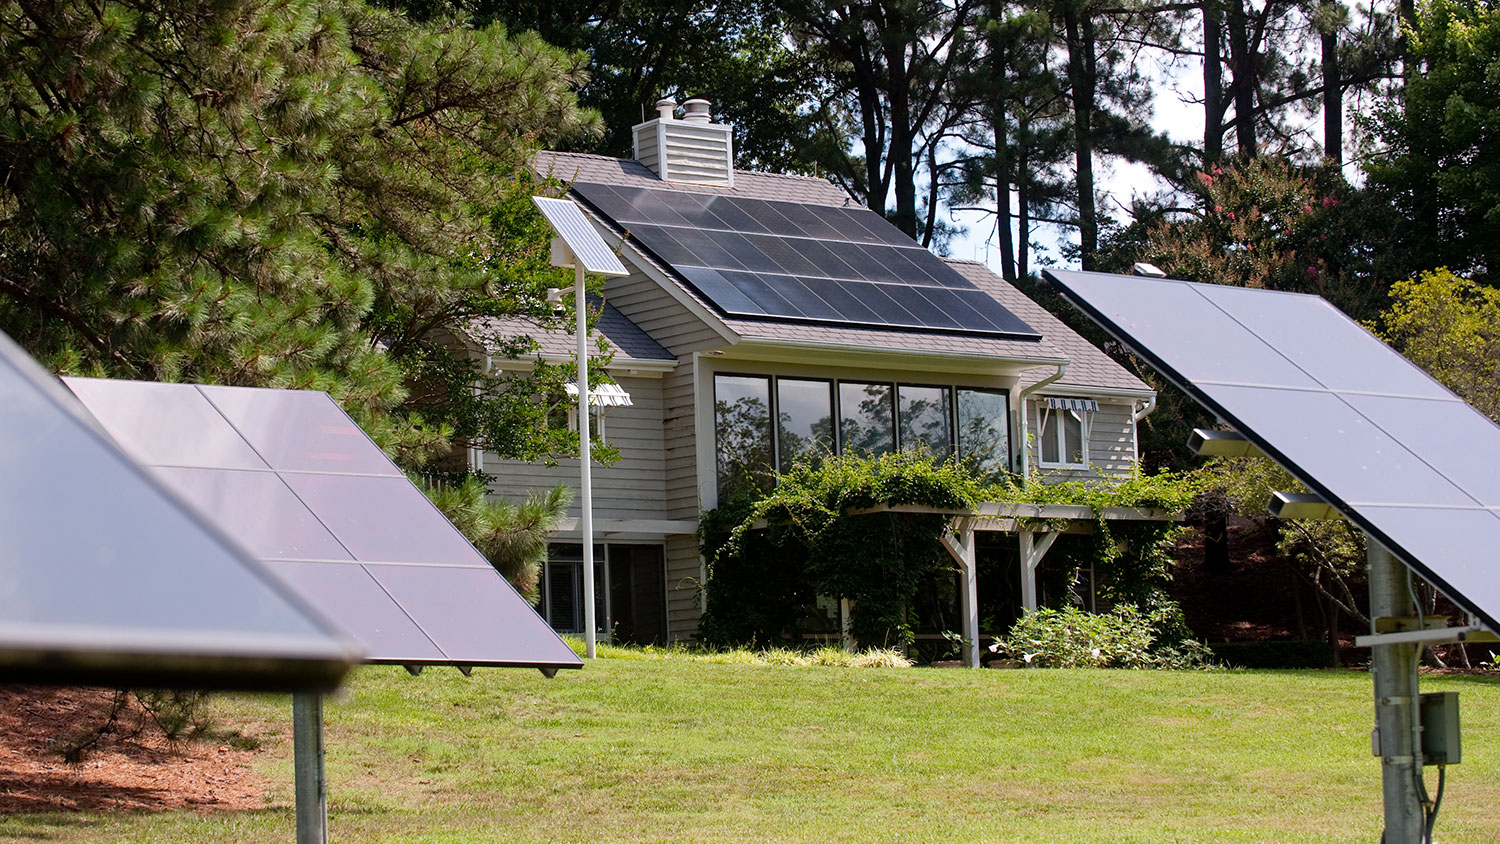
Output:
[[984, 431], [804, 420], [926, 420], [815, 417], [742, 429], [867, 423]]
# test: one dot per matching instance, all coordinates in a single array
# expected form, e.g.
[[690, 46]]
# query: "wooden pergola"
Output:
[[1037, 526]]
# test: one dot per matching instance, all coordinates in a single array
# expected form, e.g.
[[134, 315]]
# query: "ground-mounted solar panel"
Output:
[[1378, 438], [290, 476], [765, 259], [107, 578]]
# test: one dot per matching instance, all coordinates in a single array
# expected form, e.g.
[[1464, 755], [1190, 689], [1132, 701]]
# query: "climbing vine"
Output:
[[814, 534]]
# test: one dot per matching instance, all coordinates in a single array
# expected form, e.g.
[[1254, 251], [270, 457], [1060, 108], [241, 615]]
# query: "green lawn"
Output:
[[637, 751]]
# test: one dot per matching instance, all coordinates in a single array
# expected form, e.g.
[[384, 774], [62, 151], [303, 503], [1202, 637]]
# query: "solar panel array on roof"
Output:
[[1391, 448], [762, 259], [291, 476], [107, 579]]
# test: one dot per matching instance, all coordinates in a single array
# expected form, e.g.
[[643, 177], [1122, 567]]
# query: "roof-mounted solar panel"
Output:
[[107, 578], [579, 235], [1379, 439], [770, 260], [297, 482]]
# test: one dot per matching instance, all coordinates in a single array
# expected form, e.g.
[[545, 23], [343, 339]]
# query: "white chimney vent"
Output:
[[694, 149]]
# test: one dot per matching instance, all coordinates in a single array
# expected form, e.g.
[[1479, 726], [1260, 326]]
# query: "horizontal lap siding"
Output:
[[684, 592], [667, 320], [631, 488]]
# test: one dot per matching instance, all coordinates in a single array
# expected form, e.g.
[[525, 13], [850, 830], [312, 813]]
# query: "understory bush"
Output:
[[1125, 637]]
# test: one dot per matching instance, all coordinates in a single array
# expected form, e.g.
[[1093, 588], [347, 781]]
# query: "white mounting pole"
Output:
[[307, 766], [1395, 673], [585, 481]]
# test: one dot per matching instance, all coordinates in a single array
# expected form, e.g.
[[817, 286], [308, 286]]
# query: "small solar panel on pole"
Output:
[[579, 246]]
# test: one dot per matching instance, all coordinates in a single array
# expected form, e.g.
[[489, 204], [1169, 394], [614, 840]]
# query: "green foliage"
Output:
[[513, 537], [823, 656], [1125, 637], [1267, 223], [1449, 326], [1439, 169], [759, 580], [313, 195]]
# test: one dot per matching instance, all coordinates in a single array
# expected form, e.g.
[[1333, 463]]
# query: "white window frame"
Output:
[[1060, 433]]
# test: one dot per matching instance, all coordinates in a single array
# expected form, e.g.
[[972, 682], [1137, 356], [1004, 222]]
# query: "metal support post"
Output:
[[586, 487], [307, 752], [1394, 666]]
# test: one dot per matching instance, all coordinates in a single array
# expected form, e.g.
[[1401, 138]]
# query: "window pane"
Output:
[[1050, 451], [984, 431], [923, 416], [866, 423], [1072, 435], [804, 411], [742, 429]]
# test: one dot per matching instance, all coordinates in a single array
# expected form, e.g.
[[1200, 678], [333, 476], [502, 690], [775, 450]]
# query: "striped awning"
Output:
[[604, 395], [1060, 403]]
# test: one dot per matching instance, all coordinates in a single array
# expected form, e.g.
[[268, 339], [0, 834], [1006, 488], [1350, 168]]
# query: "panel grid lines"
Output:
[[298, 523], [1395, 451], [759, 259]]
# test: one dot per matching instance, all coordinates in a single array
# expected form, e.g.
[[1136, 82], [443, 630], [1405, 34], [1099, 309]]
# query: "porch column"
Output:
[[1032, 552], [960, 544]]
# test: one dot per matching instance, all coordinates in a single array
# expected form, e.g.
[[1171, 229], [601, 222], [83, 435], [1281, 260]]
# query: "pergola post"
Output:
[[1394, 666], [1032, 552], [960, 544], [307, 754]]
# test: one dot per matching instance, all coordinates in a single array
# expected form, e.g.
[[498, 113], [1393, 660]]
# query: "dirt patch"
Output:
[[131, 769]]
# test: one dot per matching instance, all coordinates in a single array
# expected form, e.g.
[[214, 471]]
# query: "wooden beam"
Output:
[[960, 544]]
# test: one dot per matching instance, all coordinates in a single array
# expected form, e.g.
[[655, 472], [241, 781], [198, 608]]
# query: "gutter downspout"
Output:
[[1023, 444], [1135, 427]]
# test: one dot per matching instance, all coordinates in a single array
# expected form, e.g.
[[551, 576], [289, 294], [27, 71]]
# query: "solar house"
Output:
[[766, 317]]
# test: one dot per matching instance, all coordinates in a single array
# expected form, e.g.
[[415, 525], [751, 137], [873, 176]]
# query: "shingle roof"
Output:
[[581, 167], [1088, 366], [624, 339]]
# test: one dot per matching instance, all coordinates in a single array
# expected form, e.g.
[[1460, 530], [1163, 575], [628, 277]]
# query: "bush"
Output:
[[1122, 638]]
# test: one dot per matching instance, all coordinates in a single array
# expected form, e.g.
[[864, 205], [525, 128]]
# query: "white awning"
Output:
[[1059, 403], [604, 395]]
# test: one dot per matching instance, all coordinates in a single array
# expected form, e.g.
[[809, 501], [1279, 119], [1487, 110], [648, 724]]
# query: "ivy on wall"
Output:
[[771, 555]]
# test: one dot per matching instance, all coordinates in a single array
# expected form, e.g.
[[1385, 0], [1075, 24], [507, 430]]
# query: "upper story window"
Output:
[[1064, 432], [764, 421]]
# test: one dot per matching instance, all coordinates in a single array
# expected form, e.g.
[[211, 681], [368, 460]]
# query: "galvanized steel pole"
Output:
[[307, 753], [586, 485], [1395, 673]]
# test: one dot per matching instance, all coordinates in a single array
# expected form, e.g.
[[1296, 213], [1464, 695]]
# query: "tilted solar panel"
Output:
[[1390, 447], [763, 259], [106, 578], [580, 236], [289, 475]]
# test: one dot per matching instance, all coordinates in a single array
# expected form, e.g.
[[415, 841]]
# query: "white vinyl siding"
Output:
[[1111, 440]]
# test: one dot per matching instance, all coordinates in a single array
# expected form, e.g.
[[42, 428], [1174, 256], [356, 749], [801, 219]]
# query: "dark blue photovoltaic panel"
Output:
[[332, 516], [1390, 447], [765, 259]]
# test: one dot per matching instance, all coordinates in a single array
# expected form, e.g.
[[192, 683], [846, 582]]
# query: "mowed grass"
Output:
[[671, 751]]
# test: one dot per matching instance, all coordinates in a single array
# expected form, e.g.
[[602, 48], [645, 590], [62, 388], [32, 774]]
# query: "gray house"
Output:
[[755, 297]]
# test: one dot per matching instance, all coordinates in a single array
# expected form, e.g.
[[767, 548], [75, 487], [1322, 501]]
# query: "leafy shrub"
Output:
[[1122, 638]]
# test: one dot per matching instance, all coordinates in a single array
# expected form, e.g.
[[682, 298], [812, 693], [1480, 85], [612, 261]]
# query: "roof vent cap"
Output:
[[696, 111], [666, 107]]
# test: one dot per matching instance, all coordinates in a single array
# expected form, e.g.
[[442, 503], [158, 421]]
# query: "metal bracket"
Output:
[[1301, 505], [1435, 636], [1206, 443]]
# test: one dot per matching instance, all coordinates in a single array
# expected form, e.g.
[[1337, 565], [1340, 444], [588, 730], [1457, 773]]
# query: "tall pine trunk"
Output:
[[1082, 79], [1213, 82], [1243, 63], [1333, 99]]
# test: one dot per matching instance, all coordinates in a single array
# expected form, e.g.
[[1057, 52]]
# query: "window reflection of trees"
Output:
[[870, 429], [923, 414], [742, 431], [804, 428]]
